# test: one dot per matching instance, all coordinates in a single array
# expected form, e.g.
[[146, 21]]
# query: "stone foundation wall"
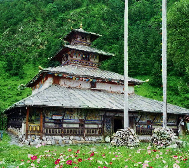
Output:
[[52, 140]]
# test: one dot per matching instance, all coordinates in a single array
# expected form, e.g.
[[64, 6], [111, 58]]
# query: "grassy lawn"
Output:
[[91, 155]]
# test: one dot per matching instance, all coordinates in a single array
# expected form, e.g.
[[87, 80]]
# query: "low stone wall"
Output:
[[58, 140]]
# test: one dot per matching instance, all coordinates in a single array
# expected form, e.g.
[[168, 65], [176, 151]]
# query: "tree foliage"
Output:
[[178, 48]]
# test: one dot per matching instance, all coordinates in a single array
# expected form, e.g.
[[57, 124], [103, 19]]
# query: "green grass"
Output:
[[91, 155], [149, 91]]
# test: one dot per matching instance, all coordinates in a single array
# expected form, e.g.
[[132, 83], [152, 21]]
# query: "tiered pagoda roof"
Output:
[[93, 36], [84, 71], [80, 44]]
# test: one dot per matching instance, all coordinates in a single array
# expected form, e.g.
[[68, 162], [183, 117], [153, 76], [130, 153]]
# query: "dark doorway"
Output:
[[93, 84], [82, 126], [131, 122], [118, 124]]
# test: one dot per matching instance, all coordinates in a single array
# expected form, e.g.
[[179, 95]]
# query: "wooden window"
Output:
[[56, 80], [93, 84], [149, 124]]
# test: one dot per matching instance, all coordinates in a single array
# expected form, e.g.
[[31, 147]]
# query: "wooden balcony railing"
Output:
[[93, 131], [53, 131], [149, 131], [73, 131]]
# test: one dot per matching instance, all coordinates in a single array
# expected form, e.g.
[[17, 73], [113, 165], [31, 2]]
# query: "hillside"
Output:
[[32, 31]]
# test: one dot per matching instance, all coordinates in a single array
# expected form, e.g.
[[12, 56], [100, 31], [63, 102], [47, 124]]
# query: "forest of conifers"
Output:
[[31, 31]]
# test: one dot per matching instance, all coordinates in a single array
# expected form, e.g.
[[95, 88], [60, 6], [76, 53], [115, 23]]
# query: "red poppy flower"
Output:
[[92, 154], [57, 161], [33, 157], [79, 160], [110, 163], [155, 150], [69, 162]]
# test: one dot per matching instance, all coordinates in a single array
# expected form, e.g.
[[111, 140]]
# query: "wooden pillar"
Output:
[[27, 123], [62, 125], [41, 125], [103, 123], [84, 130]]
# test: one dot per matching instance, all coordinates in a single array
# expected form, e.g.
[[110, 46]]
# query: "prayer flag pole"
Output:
[[164, 60], [126, 113]]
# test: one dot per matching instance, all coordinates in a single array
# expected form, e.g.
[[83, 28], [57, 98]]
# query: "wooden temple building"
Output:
[[77, 99]]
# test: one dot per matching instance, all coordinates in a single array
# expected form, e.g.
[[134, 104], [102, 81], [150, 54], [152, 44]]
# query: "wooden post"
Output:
[[41, 125], [27, 123], [126, 113], [62, 126], [103, 120], [84, 130], [164, 60]]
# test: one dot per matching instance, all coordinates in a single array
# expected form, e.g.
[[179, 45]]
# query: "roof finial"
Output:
[[40, 67], [81, 26]]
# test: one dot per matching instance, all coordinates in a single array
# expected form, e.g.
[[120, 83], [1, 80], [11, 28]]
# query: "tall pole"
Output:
[[126, 113], [164, 60]]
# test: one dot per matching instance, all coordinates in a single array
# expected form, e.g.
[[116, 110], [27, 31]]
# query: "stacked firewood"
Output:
[[125, 137], [163, 137]]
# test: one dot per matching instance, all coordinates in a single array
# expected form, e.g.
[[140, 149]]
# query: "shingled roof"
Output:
[[82, 71], [94, 36], [58, 96], [88, 49], [83, 31]]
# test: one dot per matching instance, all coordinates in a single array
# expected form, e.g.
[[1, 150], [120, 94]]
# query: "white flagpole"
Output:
[[164, 60], [126, 113]]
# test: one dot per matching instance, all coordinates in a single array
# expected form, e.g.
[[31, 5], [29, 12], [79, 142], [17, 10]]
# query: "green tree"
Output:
[[178, 39], [14, 64]]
